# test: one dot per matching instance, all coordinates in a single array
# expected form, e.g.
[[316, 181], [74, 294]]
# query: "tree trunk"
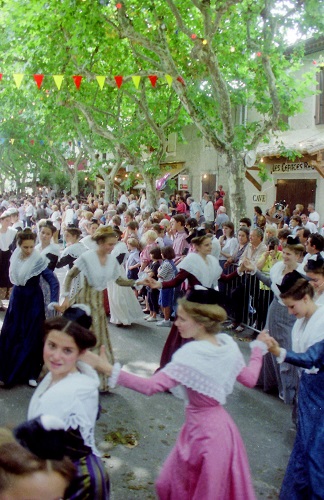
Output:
[[236, 191], [109, 189], [74, 180], [150, 191]]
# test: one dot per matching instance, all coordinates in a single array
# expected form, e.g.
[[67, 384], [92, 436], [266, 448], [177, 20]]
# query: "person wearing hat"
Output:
[[69, 392], [15, 222], [208, 460], [305, 472], [282, 377], [21, 334], [198, 268], [32, 461], [7, 246], [98, 267]]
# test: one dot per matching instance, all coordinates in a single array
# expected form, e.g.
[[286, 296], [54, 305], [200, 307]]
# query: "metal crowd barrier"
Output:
[[247, 302]]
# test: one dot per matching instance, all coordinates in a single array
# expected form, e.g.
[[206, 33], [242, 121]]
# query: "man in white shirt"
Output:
[[209, 213], [307, 224], [313, 215], [314, 246], [195, 209]]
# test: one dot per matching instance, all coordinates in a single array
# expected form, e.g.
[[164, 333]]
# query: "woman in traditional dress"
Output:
[[284, 377], [124, 307], [198, 268], [21, 334], [70, 392], [209, 460], [52, 253], [71, 252], [87, 241], [7, 246], [314, 270], [305, 473], [98, 268]]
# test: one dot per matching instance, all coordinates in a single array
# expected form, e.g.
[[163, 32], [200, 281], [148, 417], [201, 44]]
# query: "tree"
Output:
[[228, 54]]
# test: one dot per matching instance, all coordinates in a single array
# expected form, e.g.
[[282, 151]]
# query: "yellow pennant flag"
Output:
[[169, 79], [12, 140], [18, 77], [136, 80], [58, 79], [101, 81]]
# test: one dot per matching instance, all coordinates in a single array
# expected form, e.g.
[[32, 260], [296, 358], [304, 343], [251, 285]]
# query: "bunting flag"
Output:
[[39, 80], [169, 79], [101, 81], [18, 77], [118, 80], [153, 79], [12, 141], [77, 80], [58, 79], [136, 80]]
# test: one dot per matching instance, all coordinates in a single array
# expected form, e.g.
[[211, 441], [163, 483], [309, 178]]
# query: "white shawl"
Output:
[[74, 250], [306, 333], [206, 368], [74, 399], [206, 271], [51, 248], [21, 270], [98, 275]]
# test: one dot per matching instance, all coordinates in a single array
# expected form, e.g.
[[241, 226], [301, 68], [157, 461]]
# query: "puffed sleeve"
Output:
[[53, 282], [249, 375], [314, 356]]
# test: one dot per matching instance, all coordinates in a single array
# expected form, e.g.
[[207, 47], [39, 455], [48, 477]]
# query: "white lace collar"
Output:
[[206, 271], [21, 270], [97, 275], [206, 368]]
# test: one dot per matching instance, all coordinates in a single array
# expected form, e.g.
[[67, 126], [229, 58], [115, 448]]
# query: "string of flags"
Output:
[[32, 142], [101, 79]]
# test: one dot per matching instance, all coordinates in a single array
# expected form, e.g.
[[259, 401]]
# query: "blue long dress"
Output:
[[304, 478], [21, 343]]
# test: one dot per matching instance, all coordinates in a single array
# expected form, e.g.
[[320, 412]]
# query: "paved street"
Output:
[[264, 421]]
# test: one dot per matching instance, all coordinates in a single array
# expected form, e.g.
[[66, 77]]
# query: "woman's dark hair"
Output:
[[230, 226], [192, 223], [133, 224], [73, 230], [25, 235], [156, 253], [83, 337], [298, 291], [49, 224], [168, 253], [16, 461], [258, 210], [198, 240], [245, 230]]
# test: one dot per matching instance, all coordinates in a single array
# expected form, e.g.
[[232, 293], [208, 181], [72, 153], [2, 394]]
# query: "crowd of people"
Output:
[[186, 267]]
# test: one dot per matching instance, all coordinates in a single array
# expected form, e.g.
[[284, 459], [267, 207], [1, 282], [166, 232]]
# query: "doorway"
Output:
[[295, 191]]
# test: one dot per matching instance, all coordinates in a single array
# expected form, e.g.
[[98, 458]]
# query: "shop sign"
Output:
[[183, 182], [259, 198], [302, 166]]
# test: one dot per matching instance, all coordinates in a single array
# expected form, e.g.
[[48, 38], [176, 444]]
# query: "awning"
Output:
[[304, 141]]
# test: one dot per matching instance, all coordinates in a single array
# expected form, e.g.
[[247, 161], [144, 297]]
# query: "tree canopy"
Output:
[[210, 57]]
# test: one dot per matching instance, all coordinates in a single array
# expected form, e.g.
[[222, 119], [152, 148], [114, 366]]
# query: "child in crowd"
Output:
[[133, 261], [153, 294], [166, 272]]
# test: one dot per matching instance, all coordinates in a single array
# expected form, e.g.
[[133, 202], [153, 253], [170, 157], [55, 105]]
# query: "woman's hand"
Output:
[[98, 361], [65, 304], [264, 337]]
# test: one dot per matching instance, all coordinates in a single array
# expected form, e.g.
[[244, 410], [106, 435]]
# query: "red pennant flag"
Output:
[[181, 80], [77, 80], [153, 79], [39, 80], [32, 142], [1, 76], [118, 80]]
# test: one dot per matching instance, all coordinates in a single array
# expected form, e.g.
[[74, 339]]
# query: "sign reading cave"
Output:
[[291, 167], [259, 198]]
